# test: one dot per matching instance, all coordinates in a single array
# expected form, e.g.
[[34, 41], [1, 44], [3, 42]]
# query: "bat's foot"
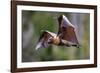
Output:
[[76, 45]]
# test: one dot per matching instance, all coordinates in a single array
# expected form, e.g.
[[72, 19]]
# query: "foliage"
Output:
[[39, 20]]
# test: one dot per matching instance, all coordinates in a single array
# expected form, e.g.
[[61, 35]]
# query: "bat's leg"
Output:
[[67, 43], [76, 45]]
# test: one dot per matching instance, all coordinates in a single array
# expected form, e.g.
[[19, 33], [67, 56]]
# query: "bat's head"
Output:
[[54, 40]]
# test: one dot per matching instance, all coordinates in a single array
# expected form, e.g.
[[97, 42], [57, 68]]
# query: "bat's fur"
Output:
[[66, 35], [55, 40]]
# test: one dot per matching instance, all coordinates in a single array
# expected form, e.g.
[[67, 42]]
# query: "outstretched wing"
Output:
[[66, 30], [44, 38]]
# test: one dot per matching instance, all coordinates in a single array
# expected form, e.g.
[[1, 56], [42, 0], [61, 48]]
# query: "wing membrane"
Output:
[[44, 38], [67, 30]]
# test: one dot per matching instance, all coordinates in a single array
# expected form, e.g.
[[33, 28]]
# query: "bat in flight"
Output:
[[66, 35]]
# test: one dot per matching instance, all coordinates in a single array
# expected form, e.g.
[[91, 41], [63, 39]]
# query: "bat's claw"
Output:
[[78, 46]]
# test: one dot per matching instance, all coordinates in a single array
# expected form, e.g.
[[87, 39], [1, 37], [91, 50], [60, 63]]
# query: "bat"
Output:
[[66, 35]]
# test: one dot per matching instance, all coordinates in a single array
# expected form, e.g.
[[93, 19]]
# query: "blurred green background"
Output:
[[35, 21]]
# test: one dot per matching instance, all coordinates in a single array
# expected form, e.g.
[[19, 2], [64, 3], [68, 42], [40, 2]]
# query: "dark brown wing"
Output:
[[66, 30], [44, 38]]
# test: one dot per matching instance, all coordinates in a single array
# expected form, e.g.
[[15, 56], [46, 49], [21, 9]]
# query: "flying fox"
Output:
[[66, 35]]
